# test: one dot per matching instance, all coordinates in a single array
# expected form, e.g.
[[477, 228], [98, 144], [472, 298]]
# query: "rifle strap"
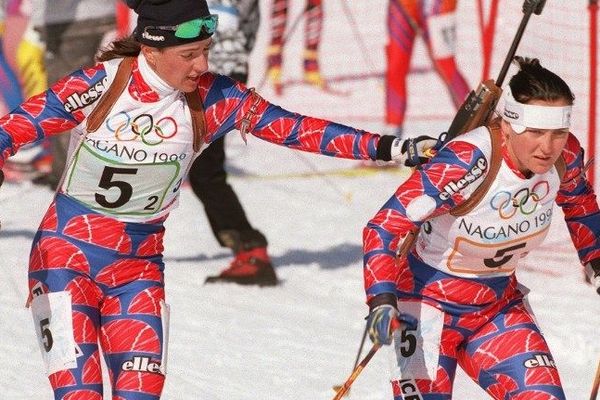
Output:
[[198, 120], [561, 167], [108, 99], [471, 202], [495, 162]]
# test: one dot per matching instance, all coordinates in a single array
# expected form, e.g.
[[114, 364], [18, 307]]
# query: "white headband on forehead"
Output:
[[522, 116]]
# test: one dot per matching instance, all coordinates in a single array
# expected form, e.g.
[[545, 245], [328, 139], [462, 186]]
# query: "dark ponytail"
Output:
[[126, 47], [534, 82]]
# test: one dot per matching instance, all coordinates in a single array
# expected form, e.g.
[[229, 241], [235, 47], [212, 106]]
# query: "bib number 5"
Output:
[[108, 181], [502, 256], [118, 188]]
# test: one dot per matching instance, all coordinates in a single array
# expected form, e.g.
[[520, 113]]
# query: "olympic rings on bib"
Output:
[[143, 126], [524, 200]]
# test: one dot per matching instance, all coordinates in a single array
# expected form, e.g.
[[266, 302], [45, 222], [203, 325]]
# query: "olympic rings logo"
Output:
[[143, 126], [524, 200]]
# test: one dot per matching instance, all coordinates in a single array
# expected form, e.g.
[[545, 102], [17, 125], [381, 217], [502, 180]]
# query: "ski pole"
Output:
[[396, 324], [596, 384], [346, 386], [362, 344], [360, 348], [364, 50]]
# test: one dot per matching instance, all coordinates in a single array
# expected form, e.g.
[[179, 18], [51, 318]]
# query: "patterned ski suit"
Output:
[[96, 268], [458, 279]]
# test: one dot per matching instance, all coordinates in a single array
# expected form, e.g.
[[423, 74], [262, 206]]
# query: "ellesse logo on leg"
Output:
[[540, 360], [142, 364]]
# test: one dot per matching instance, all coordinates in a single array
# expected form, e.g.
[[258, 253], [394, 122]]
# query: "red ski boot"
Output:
[[249, 267]]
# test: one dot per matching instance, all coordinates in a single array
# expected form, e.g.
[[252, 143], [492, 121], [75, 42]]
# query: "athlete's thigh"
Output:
[[509, 357], [64, 301], [424, 358]]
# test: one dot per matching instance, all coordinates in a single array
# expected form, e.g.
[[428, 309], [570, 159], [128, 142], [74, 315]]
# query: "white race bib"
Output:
[[53, 320], [165, 314], [416, 352], [124, 189], [442, 34]]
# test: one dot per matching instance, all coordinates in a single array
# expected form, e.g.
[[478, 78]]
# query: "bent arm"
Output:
[[578, 201], [421, 197]]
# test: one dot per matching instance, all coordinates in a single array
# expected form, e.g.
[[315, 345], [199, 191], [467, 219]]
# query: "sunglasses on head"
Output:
[[191, 29]]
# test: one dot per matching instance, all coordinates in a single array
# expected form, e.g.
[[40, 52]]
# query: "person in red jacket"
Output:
[[435, 21]]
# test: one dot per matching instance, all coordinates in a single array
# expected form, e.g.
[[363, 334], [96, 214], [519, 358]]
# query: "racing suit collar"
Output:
[[151, 79]]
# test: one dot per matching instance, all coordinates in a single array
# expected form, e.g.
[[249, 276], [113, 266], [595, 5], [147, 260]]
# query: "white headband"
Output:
[[522, 116]]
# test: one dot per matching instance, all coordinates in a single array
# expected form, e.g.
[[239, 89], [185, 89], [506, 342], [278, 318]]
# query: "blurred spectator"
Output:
[[72, 32], [22, 74], [312, 39], [435, 21]]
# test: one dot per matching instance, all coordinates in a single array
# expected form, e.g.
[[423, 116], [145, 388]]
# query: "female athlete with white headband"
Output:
[[455, 286]]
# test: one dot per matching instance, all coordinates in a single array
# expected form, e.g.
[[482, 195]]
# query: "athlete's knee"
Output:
[[138, 361], [412, 389], [68, 342]]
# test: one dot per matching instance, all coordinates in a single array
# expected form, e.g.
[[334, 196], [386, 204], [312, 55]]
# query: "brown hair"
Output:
[[126, 47], [534, 82]]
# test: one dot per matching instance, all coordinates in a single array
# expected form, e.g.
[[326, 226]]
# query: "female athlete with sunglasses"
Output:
[[138, 119]]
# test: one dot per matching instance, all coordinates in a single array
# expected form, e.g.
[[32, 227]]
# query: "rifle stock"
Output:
[[476, 110]]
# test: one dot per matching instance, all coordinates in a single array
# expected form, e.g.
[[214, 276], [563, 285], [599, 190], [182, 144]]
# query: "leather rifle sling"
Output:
[[481, 190], [108, 99], [198, 118]]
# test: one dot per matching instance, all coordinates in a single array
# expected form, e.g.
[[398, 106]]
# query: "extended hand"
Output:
[[383, 320], [413, 152]]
